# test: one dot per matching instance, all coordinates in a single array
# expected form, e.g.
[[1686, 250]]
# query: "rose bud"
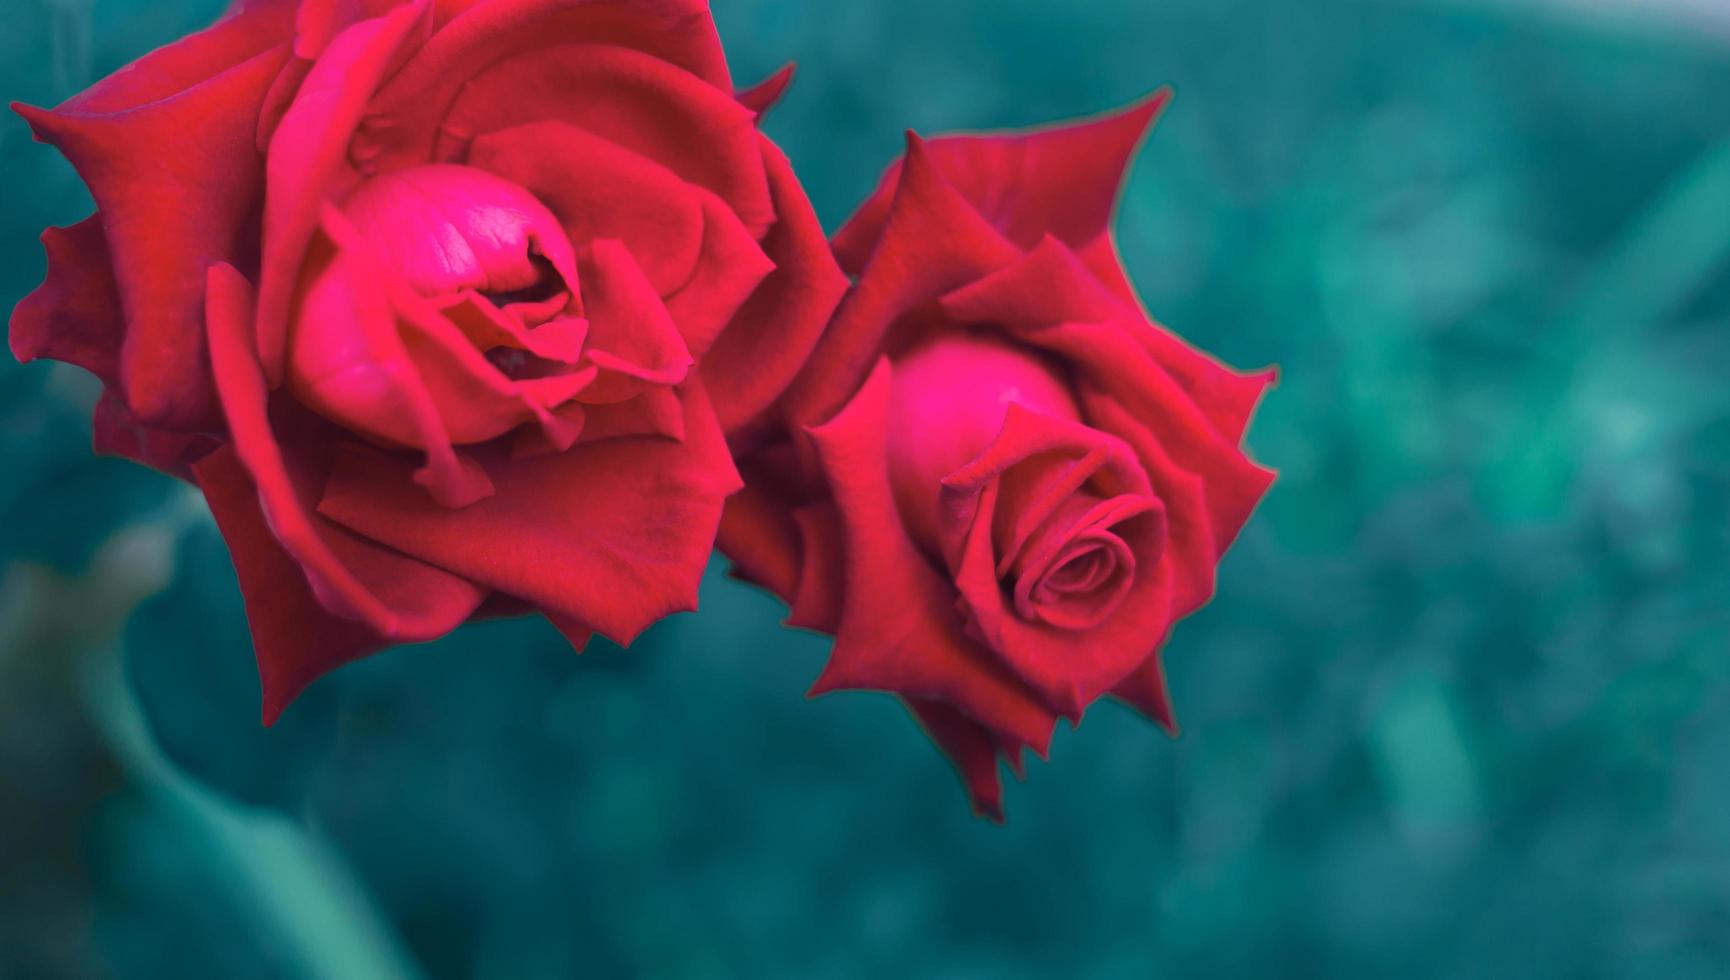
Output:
[[996, 481], [448, 308]]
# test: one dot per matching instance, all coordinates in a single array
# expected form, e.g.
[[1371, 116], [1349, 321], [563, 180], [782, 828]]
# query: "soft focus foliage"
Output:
[[1461, 708]]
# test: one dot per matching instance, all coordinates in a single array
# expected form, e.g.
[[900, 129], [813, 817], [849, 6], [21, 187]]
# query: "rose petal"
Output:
[[161, 247], [403, 122], [934, 241], [75, 315], [758, 535], [490, 328], [245, 31], [731, 268], [295, 637], [376, 356], [307, 164], [117, 432], [952, 390], [399, 600], [758, 355], [599, 189], [1193, 542], [1068, 454], [1199, 408], [377, 359], [629, 98], [1051, 286], [1083, 565], [1014, 507], [899, 630], [318, 22], [760, 98], [445, 228], [1062, 180], [655, 412], [970, 748], [632, 337], [819, 596], [1147, 692], [614, 535]]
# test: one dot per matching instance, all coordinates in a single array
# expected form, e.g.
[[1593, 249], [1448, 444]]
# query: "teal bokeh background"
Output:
[[1461, 708]]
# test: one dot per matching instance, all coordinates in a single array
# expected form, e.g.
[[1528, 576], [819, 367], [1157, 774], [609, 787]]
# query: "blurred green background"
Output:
[[1461, 709]]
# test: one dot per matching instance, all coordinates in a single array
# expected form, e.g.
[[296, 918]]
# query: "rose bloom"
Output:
[[998, 483], [449, 308]]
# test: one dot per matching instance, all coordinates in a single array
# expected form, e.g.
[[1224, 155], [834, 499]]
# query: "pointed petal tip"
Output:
[[44, 123], [992, 811], [276, 697], [765, 95], [1145, 111], [824, 684]]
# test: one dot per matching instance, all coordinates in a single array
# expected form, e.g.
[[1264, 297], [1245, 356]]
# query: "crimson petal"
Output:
[[1062, 180], [402, 601], [307, 164], [403, 121], [161, 248], [899, 630], [614, 535], [933, 241], [769, 340]]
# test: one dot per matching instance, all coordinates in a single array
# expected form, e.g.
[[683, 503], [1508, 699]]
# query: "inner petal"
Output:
[[1082, 572], [1081, 586], [446, 228], [951, 396]]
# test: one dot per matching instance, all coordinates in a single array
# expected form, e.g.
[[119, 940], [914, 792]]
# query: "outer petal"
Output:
[[820, 594], [1146, 691], [1052, 286], [117, 432], [403, 123], [760, 98], [307, 164], [319, 22], [295, 637], [630, 98], [1061, 180], [899, 630], [1115, 354], [614, 535], [758, 535], [168, 216], [970, 748], [934, 241], [769, 340], [396, 598], [75, 315], [1193, 540], [758, 531], [247, 30]]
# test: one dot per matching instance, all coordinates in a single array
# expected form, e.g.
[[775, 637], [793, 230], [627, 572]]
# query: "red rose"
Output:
[[999, 483], [448, 307]]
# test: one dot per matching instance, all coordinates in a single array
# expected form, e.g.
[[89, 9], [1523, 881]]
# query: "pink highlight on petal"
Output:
[[950, 398], [448, 228]]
